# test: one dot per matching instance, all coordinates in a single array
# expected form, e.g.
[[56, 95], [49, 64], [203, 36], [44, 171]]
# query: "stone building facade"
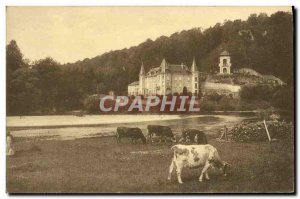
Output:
[[166, 79]]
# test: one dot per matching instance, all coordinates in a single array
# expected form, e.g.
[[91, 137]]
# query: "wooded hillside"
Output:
[[263, 43]]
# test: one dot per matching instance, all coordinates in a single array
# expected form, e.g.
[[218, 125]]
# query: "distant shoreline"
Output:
[[139, 113], [87, 127]]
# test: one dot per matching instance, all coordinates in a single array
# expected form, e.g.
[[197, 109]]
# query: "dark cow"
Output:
[[133, 133], [193, 136], [163, 132]]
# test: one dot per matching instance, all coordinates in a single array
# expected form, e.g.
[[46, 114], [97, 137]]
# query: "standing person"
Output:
[[9, 144]]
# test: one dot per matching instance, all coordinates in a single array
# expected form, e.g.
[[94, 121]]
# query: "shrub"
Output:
[[258, 92], [255, 131]]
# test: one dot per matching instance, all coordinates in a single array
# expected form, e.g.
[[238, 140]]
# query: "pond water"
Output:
[[72, 127]]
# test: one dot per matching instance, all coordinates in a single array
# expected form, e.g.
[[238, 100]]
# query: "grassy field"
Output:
[[96, 165]]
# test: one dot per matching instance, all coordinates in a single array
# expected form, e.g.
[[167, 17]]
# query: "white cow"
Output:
[[196, 156]]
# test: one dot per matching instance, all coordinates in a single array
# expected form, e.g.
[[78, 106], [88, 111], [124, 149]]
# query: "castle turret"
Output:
[[142, 80], [225, 63], [164, 65], [142, 71], [194, 66], [195, 78]]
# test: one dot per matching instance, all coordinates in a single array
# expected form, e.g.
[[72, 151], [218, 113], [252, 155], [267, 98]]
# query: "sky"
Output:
[[69, 34]]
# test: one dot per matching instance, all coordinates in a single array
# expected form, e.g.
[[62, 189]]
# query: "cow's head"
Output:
[[225, 168], [174, 140], [184, 130], [144, 140]]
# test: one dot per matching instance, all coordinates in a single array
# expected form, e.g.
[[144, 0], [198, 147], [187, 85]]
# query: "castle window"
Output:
[[196, 79], [196, 85], [224, 61]]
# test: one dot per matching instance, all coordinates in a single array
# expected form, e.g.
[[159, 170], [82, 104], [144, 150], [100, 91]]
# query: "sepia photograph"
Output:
[[150, 100]]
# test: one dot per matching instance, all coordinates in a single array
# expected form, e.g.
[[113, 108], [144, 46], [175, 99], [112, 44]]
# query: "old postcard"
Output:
[[150, 100]]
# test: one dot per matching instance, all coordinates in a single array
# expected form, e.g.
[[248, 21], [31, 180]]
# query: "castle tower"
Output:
[[195, 78], [225, 63], [163, 65], [163, 77], [142, 80]]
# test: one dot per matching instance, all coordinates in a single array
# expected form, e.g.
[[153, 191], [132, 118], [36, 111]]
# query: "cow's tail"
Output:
[[174, 152]]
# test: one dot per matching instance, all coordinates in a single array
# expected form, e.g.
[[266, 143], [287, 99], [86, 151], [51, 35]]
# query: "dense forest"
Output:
[[263, 43]]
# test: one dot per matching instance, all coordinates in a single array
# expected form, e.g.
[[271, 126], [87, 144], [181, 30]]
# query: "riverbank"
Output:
[[100, 165], [72, 127]]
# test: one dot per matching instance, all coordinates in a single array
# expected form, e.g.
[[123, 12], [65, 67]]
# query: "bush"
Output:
[[258, 92], [255, 131]]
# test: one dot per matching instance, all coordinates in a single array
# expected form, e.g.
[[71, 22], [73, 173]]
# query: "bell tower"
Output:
[[225, 63]]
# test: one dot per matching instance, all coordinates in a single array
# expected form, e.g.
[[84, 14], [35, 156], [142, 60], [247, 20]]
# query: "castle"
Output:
[[170, 78]]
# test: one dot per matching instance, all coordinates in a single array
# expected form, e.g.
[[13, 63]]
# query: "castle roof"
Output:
[[173, 68], [134, 83], [154, 71], [178, 68], [142, 71], [194, 66], [224, 53]]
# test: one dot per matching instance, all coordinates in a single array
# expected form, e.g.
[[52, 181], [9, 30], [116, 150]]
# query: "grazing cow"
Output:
[[133, 133], [163, 132], [193, 136], [194, 156]]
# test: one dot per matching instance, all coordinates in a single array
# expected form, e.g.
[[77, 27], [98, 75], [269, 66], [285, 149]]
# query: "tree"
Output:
[[49, 73], [14, 62], [257, 92], [24, 95], [283, 99], [14, 57], [184, 91]]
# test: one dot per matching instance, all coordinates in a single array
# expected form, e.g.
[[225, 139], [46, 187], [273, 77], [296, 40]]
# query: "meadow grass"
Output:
[[101, 165]]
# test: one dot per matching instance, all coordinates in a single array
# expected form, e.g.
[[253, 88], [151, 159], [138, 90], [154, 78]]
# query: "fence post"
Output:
[[267, 130]]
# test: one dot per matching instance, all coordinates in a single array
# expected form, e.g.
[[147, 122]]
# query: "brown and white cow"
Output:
[[193, 156]]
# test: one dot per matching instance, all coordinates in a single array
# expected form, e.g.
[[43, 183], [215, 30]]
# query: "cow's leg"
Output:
[[207, 165], [206, 175], [117, 137], [171, 169], [151, 136], [178, 172]]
